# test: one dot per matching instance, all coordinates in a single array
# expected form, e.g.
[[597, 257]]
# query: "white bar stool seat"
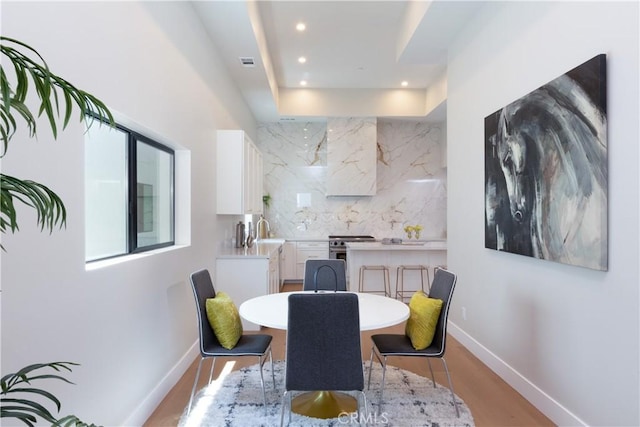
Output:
[[385, 277], [400, 291]]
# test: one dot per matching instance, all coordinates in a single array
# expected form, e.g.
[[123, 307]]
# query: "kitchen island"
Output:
[[431, 253], [245, 273]]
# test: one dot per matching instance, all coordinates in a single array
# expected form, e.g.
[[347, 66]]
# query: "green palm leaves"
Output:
[[55, 94], [47, 204], [19, 399], [46, 85], [16, 386]]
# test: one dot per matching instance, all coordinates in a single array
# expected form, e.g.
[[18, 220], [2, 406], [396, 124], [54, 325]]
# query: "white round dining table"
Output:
[[376, 311]]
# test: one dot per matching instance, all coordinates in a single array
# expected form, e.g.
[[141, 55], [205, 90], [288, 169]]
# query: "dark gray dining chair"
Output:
[[257, 345], [386, 345], [325, 275], [323, 347]]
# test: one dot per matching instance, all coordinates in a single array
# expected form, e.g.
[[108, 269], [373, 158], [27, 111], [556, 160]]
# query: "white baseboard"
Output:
[[148, 405], [546, 404]]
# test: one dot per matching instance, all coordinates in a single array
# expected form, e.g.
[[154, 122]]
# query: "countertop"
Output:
[[409, 245], [307, 239], [260, 249]]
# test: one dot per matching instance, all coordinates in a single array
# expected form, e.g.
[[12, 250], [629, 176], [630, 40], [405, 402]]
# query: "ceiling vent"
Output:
[[247, 61]]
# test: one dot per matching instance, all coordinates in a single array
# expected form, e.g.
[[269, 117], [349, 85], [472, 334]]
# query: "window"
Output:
[[129, 193]]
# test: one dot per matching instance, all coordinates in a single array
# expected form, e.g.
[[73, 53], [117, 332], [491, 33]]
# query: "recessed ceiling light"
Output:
[[405, 83], [302, 60], [303, 82], [300, 26]]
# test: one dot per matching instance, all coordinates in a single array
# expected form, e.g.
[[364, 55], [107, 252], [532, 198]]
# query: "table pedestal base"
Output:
[[324, 404]]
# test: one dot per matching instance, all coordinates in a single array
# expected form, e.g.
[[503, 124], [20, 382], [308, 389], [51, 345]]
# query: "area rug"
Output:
[[410, 400]]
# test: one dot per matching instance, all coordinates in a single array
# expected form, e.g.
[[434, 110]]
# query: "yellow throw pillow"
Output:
[[224, 320], [423, 318]]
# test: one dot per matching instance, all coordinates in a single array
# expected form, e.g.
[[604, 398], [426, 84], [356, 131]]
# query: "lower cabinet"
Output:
[[274, 273], [288, 270], [309, 250], [295, 254], [246, 278]]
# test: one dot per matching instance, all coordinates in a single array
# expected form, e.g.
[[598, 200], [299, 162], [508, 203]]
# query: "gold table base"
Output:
[[324, 404]]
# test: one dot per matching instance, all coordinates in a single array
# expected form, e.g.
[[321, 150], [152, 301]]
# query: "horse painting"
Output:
[[546, 171]]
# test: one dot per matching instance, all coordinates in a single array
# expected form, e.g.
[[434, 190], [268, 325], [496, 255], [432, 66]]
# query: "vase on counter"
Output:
[[250, 238], [262, 228], [409, 230], [240, 235]]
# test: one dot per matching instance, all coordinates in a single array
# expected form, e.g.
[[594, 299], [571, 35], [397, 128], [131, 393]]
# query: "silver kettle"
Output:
[[263, 228]]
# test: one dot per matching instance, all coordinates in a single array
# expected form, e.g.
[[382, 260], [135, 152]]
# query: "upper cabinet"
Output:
[[238, 174], [351, 156]]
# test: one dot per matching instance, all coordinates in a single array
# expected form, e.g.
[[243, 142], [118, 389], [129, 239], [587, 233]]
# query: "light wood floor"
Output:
[[491, 400]]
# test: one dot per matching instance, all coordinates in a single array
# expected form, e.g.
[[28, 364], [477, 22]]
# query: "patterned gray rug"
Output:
[[410, 401]]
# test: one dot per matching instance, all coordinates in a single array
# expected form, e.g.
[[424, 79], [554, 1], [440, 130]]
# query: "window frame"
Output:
[[133, 137]]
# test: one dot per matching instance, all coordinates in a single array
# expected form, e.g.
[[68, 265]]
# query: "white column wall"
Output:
[[131, 326], [566, 337]]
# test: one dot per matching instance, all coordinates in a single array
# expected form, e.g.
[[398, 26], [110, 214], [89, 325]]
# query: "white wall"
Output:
[[566, 337], [131, 323]]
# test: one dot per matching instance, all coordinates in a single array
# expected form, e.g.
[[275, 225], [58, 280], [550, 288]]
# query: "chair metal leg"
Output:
[[283, 406], [383, 362], [366, 409], [273, 374], [453, 396], [370, 368], [195, 383], [213, 364], [264, 393], [384, 373], [373, 352], [433, 379]]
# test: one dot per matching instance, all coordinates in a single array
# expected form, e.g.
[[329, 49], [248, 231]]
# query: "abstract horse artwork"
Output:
[[546, 171]]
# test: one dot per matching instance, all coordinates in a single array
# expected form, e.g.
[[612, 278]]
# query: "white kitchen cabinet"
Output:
[[243, 278], [274, 273], [288, 271], [309, 250], [238, 174]]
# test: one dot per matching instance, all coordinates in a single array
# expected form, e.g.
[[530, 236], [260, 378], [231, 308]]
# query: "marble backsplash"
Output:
[[411, 182]]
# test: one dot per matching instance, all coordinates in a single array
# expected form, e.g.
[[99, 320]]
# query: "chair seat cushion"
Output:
[[224, 320], [424, 313], [400, 345], [247, 345]]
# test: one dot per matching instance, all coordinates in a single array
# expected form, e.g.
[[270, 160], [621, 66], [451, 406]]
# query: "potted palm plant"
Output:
[[27, 72]]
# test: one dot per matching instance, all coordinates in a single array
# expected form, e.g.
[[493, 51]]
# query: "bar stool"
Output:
[[385, 277], [400, 292]]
